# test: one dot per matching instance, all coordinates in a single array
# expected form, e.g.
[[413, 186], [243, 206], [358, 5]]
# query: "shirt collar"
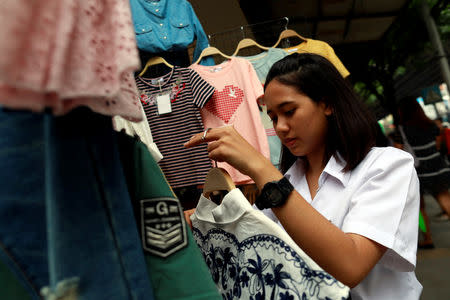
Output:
[[230, 210], [334, 168], [158, 8]]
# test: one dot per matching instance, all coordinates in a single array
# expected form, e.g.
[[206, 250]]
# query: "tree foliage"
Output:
[[397, 52]]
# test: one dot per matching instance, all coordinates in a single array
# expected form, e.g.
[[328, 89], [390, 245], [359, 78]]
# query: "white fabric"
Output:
[[379, 200], [142, 130], [251, 257]]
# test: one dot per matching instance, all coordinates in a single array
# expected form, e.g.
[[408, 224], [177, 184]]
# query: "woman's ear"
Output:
[[327, 110]]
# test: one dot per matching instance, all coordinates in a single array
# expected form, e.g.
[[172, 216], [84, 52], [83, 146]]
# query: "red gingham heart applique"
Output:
[[224, 104]]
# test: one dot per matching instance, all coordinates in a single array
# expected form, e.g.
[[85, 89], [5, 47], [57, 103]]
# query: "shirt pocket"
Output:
[[182, 33], [145, 37]]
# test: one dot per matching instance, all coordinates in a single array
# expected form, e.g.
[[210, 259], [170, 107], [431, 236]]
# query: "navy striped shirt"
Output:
[[423, 142], [188, 93]]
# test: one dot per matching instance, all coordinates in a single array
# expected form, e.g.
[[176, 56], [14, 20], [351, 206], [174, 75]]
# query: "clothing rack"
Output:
[[264, 33]]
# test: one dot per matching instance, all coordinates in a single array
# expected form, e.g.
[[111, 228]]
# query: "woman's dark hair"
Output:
[[351, 128], [411, 113]]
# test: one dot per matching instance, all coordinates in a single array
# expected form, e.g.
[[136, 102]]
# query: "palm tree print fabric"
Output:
[[251, 257]]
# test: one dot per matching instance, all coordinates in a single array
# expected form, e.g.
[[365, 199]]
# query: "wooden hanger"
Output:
[[156, 60], [246, 43], [287, 33], [217, 179], [208, 51]]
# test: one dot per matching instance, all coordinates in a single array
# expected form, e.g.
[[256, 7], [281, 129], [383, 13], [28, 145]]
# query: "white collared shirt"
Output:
[[250, 257], [379, 199]]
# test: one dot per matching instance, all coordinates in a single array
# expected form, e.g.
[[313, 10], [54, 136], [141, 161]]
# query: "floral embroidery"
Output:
[[263, 267], [151, 99]]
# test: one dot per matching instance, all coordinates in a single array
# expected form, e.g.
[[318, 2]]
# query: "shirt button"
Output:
[[164, 37], [143, 30], [156, 10], [181, 24], [161, 24]]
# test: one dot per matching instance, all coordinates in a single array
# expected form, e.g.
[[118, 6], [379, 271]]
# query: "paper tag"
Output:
[[215, 69], [164, 106], [157, 81]]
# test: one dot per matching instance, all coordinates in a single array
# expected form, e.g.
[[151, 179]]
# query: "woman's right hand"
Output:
[[225, 144]]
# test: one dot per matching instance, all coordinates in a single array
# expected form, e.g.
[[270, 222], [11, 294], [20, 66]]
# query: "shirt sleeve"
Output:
[[202, 40], [334, 59], [201, 89], [385, 208], [256, 84]]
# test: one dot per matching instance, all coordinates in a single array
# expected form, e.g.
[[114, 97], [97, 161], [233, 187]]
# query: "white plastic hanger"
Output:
[[156, 60], [217, 179], [287, 33], [246, 43], [208, 51]]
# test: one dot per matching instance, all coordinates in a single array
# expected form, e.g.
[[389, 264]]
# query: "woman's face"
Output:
[[299, 122]]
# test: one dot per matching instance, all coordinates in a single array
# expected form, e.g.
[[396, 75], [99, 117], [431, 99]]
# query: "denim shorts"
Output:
[[65, 212]]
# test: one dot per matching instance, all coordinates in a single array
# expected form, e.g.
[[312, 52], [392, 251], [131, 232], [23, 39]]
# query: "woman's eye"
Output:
[[289, 112]]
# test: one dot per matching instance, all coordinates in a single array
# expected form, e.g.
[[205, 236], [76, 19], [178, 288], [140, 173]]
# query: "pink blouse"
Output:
[[63, 54]]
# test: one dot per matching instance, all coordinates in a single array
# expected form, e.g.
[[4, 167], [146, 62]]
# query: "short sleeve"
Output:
[[334, 59], [201, 89], [256, 84], [385, 208]]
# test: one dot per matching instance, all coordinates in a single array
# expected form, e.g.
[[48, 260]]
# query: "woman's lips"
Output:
[[289, 142]]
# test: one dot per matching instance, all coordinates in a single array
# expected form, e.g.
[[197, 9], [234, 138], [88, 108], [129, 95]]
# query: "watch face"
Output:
[[274, 195]]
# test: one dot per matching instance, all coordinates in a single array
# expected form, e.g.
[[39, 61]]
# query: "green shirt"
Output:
[[182, 274]]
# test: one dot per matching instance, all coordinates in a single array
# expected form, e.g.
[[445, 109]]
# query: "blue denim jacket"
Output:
[[167, 25]]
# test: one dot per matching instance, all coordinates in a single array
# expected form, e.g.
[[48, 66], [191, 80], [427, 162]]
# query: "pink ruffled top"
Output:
[[63, 54]]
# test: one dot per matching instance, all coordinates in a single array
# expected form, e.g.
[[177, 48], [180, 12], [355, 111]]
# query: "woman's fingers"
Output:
[[208, 135], [187, 216]]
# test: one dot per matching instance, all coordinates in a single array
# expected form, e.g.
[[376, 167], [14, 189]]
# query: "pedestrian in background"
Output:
[[425, 138]]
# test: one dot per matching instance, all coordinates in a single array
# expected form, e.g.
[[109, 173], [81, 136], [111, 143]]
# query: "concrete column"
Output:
[[436, 41]]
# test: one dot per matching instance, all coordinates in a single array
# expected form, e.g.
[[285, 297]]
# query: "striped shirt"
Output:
[[423, 142], [188, 93]]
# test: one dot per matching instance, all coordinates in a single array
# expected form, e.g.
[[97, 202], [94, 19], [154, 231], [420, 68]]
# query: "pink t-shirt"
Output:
[[234, 103]]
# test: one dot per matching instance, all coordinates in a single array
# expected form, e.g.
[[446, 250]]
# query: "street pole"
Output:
[[436, 42]]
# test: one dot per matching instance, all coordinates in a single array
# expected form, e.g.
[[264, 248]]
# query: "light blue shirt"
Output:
[[167, 25]]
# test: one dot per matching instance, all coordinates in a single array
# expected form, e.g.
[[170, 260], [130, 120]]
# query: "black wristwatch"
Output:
[[274, 194]]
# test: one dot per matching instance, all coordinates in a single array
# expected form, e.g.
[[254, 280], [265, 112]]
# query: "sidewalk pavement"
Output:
[[433, 265]]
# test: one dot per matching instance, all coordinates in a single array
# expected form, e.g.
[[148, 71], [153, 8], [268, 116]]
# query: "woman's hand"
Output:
[[227, 145], [187, 215]]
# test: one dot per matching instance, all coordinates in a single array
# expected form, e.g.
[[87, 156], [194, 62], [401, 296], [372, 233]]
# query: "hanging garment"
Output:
[[261, 263], [63, 54], [167, 25], [234, 103], [323, 49], [67, 224], [175, 264], [262, 64], [140, 129], [183, 92]]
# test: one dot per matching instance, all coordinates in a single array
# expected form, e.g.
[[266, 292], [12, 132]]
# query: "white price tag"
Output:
[[164, 106]]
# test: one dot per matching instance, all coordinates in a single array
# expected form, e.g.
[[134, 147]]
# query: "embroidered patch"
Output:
[[163, 227]]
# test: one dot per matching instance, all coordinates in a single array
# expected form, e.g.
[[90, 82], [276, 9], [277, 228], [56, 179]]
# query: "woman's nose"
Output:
[[281, 126]]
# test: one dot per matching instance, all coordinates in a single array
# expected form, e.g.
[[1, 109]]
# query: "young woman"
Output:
[[354, 207]]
